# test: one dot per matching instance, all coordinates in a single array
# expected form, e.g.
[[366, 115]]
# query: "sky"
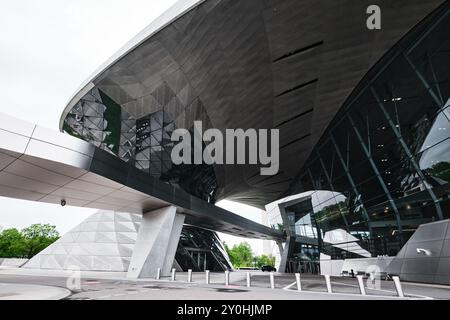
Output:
[[48, 48]]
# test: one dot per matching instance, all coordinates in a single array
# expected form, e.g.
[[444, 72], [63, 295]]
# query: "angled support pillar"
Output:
[[285, 254], [173, 244], [280, 247], [156, 243]]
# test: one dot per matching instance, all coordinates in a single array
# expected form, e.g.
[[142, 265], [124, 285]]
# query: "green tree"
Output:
[[228, 251], [12, 244], [38, 237], [240, 255], [264, 260], [280, 227]]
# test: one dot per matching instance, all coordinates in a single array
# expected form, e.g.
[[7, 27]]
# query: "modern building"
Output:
[[381, 167], [363, 117], [105, 242]]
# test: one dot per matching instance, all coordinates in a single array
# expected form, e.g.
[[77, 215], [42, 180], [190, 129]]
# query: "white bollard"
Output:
[[207, 276], [189, 275], [158, 273], [328, 281], [361, 285], [398, 287], [227, 278], [272, 281], [249, 280], [299, 284], [173, 274]]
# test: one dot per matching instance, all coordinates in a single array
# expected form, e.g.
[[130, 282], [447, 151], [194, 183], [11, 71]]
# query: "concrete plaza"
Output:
[[115, 286]]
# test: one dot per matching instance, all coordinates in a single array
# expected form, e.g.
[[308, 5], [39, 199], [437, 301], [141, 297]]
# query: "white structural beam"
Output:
[[158, 233], [38, 164], [173, 244]]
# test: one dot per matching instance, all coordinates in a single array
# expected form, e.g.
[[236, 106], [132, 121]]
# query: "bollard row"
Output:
[[360, 279]]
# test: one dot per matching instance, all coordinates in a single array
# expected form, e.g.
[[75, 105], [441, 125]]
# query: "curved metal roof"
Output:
[[173, 13], [256, 64]]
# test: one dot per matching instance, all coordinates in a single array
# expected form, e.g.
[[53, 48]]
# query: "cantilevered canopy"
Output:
[[42, 165], [287, 64]]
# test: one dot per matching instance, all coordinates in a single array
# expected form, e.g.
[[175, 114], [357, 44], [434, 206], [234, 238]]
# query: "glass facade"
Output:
[[201, 250], [382, 167], [144, 141], [304, 253]]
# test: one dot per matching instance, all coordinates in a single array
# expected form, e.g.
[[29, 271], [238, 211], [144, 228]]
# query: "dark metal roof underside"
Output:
[[262, 64]]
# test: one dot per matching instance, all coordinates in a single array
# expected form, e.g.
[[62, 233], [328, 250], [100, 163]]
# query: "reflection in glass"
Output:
[[385, 157]]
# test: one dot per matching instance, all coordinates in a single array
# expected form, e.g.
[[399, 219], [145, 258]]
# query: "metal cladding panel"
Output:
[[253, 64], [426, 256]]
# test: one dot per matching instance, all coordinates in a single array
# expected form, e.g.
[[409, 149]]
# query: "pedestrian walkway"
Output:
[[13, 291]]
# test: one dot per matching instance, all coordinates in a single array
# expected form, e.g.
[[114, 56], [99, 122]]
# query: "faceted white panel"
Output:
[[103, 242], [85, 237], [58, 249], [34, 263], [68, 247], [114, 263], [100, 264], [89, 226], [60, 259], [123, 217], [48, 250], [79, 251], [126, 237], [67, 238], [50, 263], [105, 226], [125, 251], [105, 237]]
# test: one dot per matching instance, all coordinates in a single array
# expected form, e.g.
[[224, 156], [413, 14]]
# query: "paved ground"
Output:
[[31, 292], [107, 286]]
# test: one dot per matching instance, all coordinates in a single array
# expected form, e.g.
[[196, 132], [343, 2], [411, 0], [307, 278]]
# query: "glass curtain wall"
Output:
[[201, 250], [144, 142], [386, 154]]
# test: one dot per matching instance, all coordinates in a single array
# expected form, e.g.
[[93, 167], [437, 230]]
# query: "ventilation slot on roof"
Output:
[[301, 50], [295, 117], [254, 175], [279, 182], [296, 140], [270, 177], [300, 86]]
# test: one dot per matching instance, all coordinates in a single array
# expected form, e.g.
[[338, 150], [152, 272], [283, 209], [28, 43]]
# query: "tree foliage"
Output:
[[12, 244], [28, 242], [264, 260], [241, 256]]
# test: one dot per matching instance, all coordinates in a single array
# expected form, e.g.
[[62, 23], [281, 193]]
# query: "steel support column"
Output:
[[350, 179], [331, 185], [408, 153], [377, 172]]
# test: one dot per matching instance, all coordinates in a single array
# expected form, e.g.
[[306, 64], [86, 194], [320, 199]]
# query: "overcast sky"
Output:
[[47, 49]]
